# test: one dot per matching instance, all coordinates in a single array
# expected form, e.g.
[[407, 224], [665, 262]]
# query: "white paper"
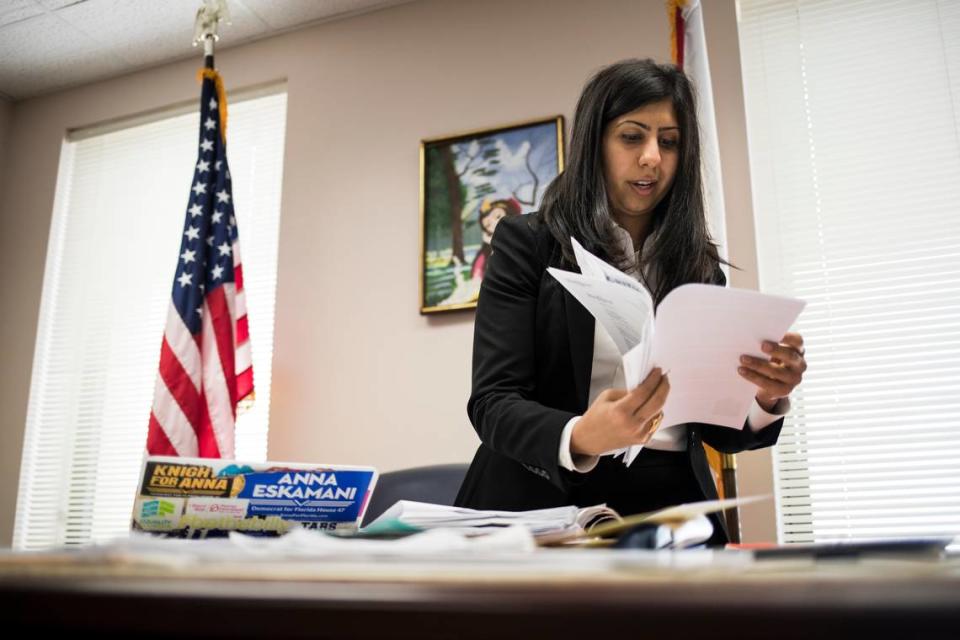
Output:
[[701, 332], [697, 337], [423, 515], [315, 544], [691, 532]]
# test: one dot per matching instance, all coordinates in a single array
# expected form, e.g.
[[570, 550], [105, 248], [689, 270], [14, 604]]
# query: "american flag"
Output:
[[205, 365]]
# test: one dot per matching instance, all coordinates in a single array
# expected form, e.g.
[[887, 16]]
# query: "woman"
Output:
[[548, 395], [488, 215]]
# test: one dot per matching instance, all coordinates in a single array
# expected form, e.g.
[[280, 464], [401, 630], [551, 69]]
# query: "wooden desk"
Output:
[[556, 596]]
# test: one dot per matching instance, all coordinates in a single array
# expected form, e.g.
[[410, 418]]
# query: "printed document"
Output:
[[697, 336]]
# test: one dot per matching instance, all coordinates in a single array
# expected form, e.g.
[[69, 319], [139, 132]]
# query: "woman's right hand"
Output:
[[619, 418]]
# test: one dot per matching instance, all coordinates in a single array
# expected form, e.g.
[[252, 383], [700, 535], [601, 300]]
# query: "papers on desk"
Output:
[[305, 544], [309, 544], [683, 525], [696, 336], [440, 532], [418, 516]]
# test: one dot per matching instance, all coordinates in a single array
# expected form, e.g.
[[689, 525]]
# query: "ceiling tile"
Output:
[[283, 14], [16, 10], [45, 52], [53, 5], [46, 45], [145, 32]]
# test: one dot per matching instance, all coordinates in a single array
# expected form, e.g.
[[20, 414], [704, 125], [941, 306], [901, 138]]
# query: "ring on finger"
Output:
[[656, 420], [653, 424]]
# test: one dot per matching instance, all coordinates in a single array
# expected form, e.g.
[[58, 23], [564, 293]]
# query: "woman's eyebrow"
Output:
[[646, 127]]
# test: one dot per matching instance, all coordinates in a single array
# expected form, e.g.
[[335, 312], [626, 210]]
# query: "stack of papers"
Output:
[[697, 337], [686, 524], [422, 515]]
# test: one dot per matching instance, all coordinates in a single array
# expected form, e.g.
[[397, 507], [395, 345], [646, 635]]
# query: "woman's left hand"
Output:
[[779, 375]]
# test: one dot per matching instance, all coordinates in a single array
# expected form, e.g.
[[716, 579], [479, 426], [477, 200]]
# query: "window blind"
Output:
[[853, 119], [114, 242]]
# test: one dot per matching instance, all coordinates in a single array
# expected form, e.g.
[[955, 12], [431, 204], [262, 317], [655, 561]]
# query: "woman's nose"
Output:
[[650, 155]]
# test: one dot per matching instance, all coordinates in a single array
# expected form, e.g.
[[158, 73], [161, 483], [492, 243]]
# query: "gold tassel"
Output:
[[221, 98]]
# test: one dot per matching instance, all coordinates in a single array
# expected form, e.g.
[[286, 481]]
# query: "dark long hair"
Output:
[[576, 204]]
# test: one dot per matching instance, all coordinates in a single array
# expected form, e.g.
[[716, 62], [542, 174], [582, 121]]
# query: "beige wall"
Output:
[[6, 121], [6, 115], [359, 375]]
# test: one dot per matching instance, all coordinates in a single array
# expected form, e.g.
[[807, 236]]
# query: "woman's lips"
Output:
[[644, 187]]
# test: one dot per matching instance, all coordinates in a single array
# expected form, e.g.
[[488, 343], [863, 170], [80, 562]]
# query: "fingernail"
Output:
[[767, 347], [745, 359], [742, 370]]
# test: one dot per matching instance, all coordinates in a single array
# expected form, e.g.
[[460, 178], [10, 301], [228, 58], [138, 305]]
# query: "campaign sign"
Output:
[[200, 497]]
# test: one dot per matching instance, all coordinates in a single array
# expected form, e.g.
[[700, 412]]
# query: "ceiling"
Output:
[[48, 45]]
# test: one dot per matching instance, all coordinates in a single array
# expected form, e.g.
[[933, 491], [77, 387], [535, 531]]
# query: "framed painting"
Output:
[[468, 183]]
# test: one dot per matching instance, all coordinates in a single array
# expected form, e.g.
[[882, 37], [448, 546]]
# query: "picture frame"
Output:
[[468, 182]]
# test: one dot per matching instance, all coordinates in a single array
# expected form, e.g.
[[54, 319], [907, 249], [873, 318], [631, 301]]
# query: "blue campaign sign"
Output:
[[203, 497], [307, 495]]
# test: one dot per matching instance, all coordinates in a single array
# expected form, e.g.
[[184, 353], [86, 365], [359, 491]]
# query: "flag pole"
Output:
[[208, 51], [206, 27]]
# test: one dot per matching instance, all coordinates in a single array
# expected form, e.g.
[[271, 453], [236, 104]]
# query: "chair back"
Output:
[[437, 484]]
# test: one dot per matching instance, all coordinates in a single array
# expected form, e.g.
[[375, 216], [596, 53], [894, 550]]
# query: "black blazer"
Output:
[[532, 360]]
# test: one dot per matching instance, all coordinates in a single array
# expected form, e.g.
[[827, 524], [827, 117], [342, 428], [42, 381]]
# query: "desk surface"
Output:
[[551, 593]]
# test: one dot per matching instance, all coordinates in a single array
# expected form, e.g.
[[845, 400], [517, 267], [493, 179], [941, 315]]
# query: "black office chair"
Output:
[[437, 484]]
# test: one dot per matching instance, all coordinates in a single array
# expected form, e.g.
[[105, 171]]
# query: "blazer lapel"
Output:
[[580, 326]]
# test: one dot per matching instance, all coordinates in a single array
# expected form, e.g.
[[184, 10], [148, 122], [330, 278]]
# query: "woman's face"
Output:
[[490, 221], [641, 151]]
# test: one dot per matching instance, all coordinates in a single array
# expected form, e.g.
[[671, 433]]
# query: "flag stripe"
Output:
[[245, 383], [221, 331], [243, 362], [240, 304], [216, 383], [243, 332], [179, 386], [237, 269], [207, 445], [171, 420], [183, 345], [157, 441]]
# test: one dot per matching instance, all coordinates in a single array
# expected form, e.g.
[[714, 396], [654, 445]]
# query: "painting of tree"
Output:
[[464, 178]]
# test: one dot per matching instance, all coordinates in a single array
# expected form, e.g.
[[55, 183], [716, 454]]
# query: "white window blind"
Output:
[[114, 243], [853, 112]]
